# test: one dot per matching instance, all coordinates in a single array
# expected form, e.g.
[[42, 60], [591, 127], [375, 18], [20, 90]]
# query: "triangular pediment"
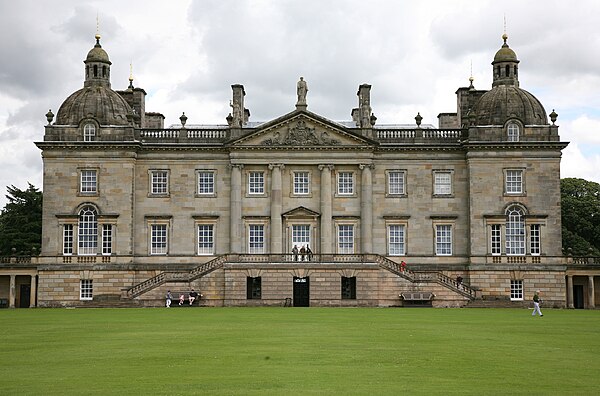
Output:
[[301, 129], [301, 212]]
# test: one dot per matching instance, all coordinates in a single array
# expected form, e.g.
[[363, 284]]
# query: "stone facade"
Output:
[[133, 209]]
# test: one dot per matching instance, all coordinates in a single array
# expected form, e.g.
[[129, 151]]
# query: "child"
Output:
[[181, 299]]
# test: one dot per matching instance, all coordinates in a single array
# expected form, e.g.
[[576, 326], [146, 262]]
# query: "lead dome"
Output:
[[96, 99]]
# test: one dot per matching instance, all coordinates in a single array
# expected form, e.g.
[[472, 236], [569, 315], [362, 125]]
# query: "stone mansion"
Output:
[[466, 214]]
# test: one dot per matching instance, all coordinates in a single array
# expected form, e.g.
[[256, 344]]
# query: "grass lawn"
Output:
[[292, 351]]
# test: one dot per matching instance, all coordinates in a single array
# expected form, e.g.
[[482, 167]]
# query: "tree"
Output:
[[580, 202], [21, 222]]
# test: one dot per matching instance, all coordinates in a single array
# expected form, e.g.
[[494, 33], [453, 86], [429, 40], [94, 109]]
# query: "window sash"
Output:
[[67, 239], [301, 183], [89, 133], [86, 289], [396, 183], [256, 239], [516, 289], [496, 239], [206, 183], [88, 181], [256, 183], [443, 240], [87, 232], [396, 235], [515, 234], [514, 181], [346, 239], [345, 183], [442, 183], [206, 241], [160, 182], [158, 239], [513, 133], [107, 239], [535, 239]]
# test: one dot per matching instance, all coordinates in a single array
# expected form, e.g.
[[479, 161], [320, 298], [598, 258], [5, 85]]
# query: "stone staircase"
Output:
[[212, 265]]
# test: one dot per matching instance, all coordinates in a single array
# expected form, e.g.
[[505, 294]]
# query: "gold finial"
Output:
[[471, 78], [130, 71], [504, 35]]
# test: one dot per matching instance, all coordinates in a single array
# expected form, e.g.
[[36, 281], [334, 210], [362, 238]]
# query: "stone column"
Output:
[[11, 293], [276, 207], [570, 292], [326, 211], [591, 299], [366, 209], [235, 235], [33, 292]]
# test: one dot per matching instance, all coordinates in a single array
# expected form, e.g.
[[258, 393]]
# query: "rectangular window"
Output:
[[301, 183], [253, 288], [345, 239], [396, 183], [301, 235], [107, 239], [516, 289], [206, 239], [442, 183], [158, 239], [89, 181], [68, 239], [496, 242], [256, 238], [534, 233], [514, 181], [443, 240], [206, 183], [256, 183], [345, 183], [159, 182], [86, 289], [396, 234], [348, 288]]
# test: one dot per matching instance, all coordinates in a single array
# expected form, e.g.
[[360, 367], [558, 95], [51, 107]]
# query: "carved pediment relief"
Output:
[[300, 134], [301, 131]]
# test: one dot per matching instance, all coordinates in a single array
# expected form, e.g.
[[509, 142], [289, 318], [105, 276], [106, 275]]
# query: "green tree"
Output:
[[21, 222], [580, 202]]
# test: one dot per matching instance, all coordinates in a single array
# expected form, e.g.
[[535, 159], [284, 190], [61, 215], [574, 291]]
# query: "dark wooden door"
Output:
[[24, 296], [301, 291], [578, 296]]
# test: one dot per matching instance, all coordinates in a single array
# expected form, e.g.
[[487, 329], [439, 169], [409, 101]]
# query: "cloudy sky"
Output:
[[186, 55]]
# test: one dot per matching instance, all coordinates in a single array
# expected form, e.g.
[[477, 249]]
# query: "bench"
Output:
[[3, 302], [417, 299], [186, 301]]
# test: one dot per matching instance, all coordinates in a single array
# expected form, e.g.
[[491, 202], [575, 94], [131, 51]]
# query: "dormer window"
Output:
[[89, 133], [512, 132]]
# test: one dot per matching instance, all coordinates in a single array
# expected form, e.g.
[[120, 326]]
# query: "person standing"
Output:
[[169, 298], [295, 252], [308, 253], [302, 253], [536, 303]]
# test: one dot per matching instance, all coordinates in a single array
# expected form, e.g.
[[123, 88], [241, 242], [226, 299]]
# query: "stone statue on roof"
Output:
[[302, 89]]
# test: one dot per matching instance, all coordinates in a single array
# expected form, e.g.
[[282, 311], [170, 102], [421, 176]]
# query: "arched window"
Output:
[[103, 71], [512, 132], [95, 70], [89, 133], [515, 231], [88, 231], [507, 71], [515, 71]]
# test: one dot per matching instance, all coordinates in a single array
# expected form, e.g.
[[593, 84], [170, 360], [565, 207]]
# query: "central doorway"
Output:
[[301, 291]]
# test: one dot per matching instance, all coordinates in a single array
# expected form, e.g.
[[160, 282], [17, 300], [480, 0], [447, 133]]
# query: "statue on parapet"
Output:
[[302, 90]]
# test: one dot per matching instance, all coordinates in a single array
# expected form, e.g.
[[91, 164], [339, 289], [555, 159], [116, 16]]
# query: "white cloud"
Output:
[[187, 54]]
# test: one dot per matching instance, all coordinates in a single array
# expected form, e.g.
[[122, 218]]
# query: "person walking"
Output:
[[169, 298], [536, 303]]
